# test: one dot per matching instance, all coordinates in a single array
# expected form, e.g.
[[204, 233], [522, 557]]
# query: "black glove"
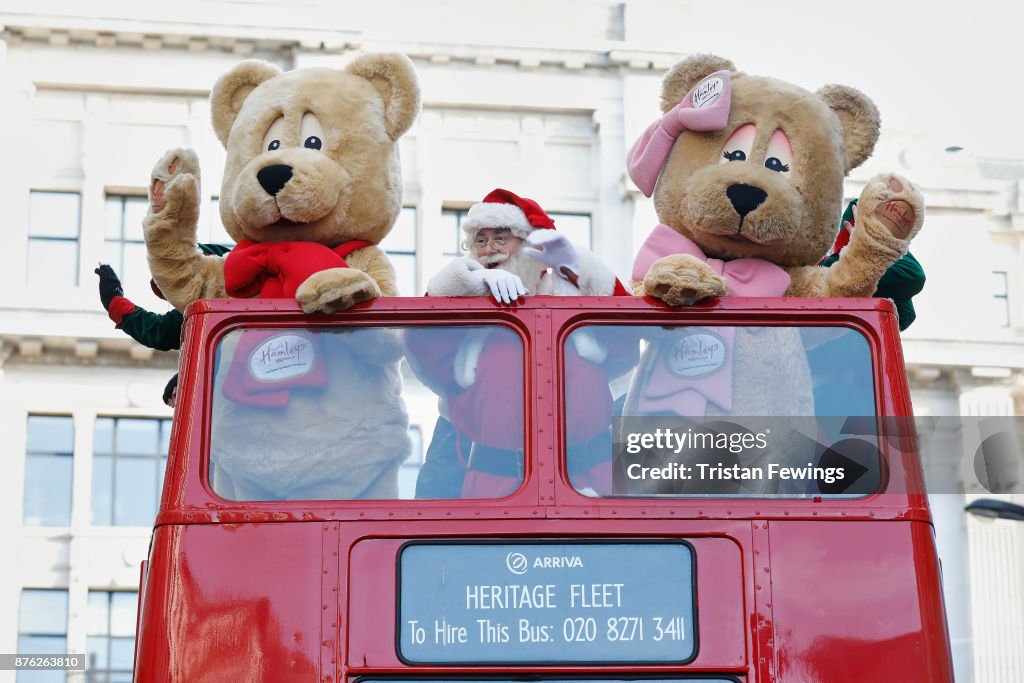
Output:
[[169, 390], [110, 285]]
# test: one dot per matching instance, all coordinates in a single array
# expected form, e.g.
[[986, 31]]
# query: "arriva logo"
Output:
[[516, 563]]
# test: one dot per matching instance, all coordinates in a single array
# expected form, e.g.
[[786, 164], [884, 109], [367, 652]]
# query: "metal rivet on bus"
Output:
[[325, 606], [325, 571], [362, 514], [335, 553], [758, 586], [551, 481], [768, 605]]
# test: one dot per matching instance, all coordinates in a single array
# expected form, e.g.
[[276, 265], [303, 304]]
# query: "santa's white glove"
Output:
[[554, 250], [504, 286]]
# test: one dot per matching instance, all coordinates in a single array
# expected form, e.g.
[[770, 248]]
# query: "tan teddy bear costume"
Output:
[[312, 182], [747, 178]]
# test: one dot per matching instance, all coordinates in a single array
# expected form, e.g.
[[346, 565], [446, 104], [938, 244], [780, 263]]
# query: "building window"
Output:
[[43, 630], [129, 459], [575, 226], [124, 247], [453, 237], [400, 245], [1001, 293], [211, 230], [53, 228], [110, 645], [48, 461]]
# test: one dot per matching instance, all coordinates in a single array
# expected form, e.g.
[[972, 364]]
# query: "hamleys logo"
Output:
[[706, 92], [696, 355]]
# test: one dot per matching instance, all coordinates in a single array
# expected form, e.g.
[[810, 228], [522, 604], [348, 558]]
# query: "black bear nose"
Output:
[[745, 198], [274, 177]]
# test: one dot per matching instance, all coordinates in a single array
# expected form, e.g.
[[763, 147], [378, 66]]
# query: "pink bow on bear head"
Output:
[[705, 108]]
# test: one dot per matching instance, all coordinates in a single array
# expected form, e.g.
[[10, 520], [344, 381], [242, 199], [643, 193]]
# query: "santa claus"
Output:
[[513, 249], [477, 447]]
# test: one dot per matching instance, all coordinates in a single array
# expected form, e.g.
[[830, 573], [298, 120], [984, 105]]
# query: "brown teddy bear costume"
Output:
[[312, 181], [747, 178]]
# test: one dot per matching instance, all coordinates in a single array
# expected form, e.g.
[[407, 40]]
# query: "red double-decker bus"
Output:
[[567, 488]]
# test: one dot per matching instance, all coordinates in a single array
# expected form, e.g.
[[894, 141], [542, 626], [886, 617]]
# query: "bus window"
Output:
[[342, 413], [721, 410]]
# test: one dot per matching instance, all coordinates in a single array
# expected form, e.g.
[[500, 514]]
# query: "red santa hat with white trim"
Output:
[[504, 209]]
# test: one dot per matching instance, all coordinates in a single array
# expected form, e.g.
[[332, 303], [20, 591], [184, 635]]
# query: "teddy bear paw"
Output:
[[894, 203], [681, 280], [174, 180], [335, 290]]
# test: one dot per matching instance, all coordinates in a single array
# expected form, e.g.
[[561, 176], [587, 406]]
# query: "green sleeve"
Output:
[[901, 282], [904, 279], [160, 331]]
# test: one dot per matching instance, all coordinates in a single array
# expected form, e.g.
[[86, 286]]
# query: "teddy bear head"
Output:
[[766, 180], [312, 154]]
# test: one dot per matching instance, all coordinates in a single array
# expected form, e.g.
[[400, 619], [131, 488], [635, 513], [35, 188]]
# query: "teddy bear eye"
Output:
[[774, 164], [274, 144], [312, 142], [735, 155]]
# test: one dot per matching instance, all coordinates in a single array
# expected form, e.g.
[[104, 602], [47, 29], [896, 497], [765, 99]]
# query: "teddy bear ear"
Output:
[[686, 74], [231, 89], [394, 77], [860, 120]]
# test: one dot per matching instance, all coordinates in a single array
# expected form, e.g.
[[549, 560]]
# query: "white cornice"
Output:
[[110, 33]]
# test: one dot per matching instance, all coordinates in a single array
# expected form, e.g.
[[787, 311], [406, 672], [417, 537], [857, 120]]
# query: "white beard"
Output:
[[528, 269]]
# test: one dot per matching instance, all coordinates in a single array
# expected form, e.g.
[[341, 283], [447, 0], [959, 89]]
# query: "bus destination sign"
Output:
[[519, 603]]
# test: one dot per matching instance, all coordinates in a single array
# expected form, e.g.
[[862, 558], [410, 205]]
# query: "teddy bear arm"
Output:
[[185, 275], [855, 274], [374, 262]]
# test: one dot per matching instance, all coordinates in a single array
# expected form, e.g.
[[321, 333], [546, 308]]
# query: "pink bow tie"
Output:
[[746, 276], [705, 108]]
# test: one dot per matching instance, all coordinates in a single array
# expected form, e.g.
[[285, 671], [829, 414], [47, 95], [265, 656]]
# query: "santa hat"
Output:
[[503, 209]]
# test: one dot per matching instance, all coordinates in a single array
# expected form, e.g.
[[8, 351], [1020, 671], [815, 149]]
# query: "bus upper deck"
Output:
[[581, 487]]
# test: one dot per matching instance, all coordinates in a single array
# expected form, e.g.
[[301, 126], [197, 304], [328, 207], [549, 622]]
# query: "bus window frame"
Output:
[[208, 320], [541, 322], [721, 313]]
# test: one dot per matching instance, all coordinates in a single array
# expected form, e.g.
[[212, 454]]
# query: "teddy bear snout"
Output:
[[745, 198], [274, 177]]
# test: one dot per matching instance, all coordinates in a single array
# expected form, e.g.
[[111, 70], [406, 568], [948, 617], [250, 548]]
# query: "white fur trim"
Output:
[[495, 215], [467, 357], [596, 279], [457, 279]]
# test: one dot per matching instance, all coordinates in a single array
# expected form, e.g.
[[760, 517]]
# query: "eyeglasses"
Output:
[[497, 240]]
